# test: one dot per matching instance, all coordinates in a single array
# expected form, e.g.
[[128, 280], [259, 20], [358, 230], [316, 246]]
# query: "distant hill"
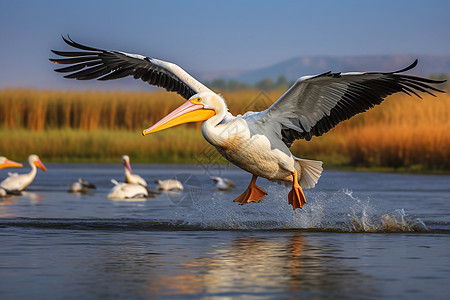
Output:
[[309, 65]]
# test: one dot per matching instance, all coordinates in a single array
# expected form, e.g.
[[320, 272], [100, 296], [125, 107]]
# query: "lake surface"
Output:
[[361, 235]]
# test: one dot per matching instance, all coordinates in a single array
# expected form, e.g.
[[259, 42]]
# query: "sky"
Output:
[[213, 36]]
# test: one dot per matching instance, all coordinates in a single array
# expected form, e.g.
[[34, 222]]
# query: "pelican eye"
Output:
[[197, 100]]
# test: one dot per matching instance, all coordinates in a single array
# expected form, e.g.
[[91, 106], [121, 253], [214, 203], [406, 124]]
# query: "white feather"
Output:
[[124, 191]]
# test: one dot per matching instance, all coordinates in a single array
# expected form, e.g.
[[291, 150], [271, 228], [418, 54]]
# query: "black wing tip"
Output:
[[69, 40], [411, 66], [440, 81], [58, 52]]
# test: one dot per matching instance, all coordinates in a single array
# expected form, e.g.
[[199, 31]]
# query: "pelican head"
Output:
[[199, 107], [126, 162], [6, 163], [34, 159]]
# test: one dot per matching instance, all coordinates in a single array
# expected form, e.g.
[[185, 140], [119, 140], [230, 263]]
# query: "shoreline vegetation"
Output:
[[405, 134]]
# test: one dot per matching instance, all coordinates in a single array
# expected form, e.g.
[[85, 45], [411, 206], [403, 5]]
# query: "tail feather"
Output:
[[309, 172]]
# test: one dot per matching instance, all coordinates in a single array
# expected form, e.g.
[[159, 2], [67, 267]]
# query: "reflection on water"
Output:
[[257, 266], [244, 264], [54, 263], [8, 203]]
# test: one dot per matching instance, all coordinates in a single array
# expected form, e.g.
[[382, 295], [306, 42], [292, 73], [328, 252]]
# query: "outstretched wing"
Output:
[[93, 63], [315, 104]]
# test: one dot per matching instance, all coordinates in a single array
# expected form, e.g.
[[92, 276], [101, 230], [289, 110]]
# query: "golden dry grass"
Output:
[[179, 145], [404, 132], [91, 110]]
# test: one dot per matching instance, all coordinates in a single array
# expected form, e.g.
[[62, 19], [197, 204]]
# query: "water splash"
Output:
[[365, 218], [338, 211]]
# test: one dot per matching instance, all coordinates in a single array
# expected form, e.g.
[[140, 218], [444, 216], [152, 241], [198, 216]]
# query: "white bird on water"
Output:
[[169, 185], [81, 186], [16, 183], [6, 163], [223, 184], [129, 176], [124, 191], [257, 142]]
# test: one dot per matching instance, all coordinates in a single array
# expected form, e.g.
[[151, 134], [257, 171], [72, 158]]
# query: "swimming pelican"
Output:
[[223, 184], [16, 183], [81, 186], [6, 163], [129, 176], [257, 142], [169, 185], [122, 191]]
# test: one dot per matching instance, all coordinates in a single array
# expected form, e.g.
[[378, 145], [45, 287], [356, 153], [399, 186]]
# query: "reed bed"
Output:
[[92, 110], [404, 132], [179, 145]]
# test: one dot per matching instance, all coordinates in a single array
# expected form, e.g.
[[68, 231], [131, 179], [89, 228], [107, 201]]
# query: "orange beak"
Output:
[[38, 163], [186, 113], [126, 165], [10, 164]]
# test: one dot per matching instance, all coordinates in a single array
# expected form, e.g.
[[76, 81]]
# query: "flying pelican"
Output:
[[257, 142], [129, 176], [169, 185], [16, 183], [6, 163], [122, 191], [81, 186], [223, 184]]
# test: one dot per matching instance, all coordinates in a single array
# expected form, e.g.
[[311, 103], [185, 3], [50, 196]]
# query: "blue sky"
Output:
[[213, 35]]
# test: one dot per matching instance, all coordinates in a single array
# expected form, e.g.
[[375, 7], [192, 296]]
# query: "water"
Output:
[[361, 235]]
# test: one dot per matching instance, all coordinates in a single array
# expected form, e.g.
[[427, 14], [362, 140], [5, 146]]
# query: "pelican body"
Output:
[[169, 185], [129, 176], [124, 191], [6, 163], [257, 142], [18, 182]]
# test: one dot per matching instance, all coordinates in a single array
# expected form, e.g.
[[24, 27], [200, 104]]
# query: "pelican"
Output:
[[223, 184], [129, 176], [6, 163], [169, 185], [81, 186], [122, 191], [16, 183], [257, 142]]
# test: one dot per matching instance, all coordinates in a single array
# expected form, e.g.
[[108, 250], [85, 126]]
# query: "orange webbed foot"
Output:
[[253, 193], [296, 196]]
